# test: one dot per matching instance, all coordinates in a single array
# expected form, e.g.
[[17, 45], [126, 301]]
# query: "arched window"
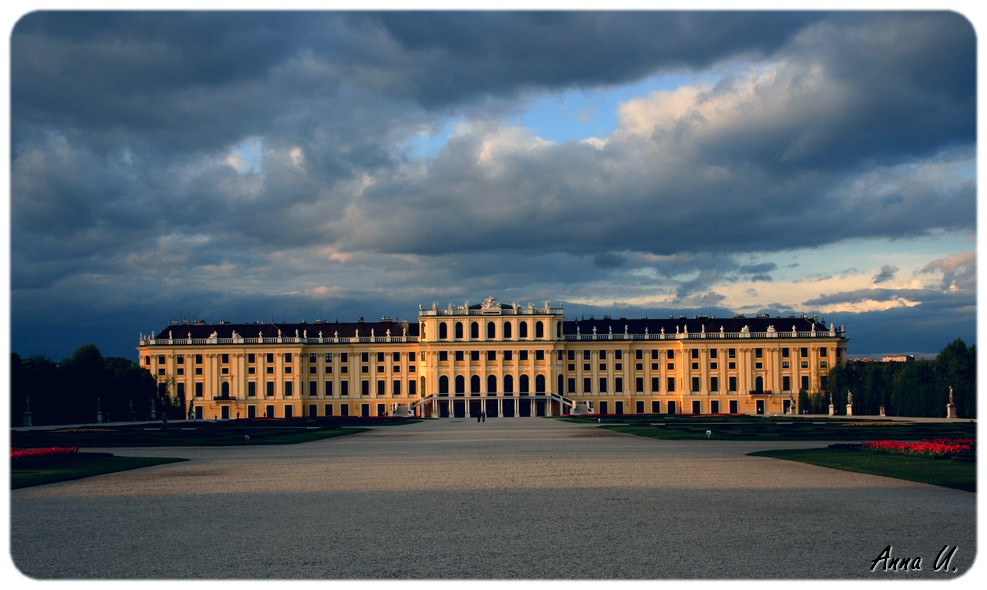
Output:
[[508, 383], [507, 330], [524, 388], [224, 389], [491, 330], [539, 384], [475, 384], [759, 384], [558, 331], [459, 329], [523, 330], [422, 391], [539, 330], [460, 384], [421, 331], [491, 383], [558, 387], [443, 331], [474, 330], [443, 384]]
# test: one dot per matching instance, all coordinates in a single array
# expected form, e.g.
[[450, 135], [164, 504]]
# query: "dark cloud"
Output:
[[887, 273], [128, 201]]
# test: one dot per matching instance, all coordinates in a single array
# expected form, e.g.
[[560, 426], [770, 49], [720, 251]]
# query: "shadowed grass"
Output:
[[949, 473], [79, 465]]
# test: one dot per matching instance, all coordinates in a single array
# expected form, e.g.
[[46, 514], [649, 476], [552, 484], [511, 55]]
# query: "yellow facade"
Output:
[[504, 360]]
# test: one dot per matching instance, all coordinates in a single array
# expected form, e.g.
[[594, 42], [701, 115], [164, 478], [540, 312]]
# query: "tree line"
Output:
[[74, 390], [916, 388]]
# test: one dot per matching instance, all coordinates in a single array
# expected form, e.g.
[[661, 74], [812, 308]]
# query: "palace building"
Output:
[[503, 359]]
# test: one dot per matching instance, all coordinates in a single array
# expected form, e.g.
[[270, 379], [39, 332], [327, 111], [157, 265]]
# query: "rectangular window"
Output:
[[508, 355], [618, 384], [714, 384], [639, 384], [344, 357], [695, 353], [380, 357], [364, 357], [758, 353], [603, 384], [460, 356], [539, 355], [396, 386], [587, 385], [603, 354], [251, 389], [411, 356], [328, 388], [654, 354], [269, 388], [313, 388], [804, 351], [180, 359], [732, 384], [639, 355], [655, 381], [474, 355], [251, 358], [344, 388], [786, 364], [586, 355], [823, 352], [671, 355], [443, 356], [312, 358], [269, 357], [603, 366], [671, 385], [288, 388], [572, 355], [364, 387], [571, 385], [198, 389], [712, 353], [805, 382], [328, 358], [785, 352], [618, 354], [412, 387], [198, 359], [695, 384], [732, 353], [380, 387], [786, 383], [287, 357]]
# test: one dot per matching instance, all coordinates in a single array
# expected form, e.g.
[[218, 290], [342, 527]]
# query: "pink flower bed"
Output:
[[19, 457], [937, 447]]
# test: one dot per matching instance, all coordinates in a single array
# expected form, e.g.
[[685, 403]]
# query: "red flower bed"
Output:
[[24, 457], [938, 447]]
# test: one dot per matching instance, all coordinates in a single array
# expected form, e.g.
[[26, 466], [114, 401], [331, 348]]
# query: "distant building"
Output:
[[900, 358], [506, 360]]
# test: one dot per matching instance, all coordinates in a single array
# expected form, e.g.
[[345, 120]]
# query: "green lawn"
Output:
[[941, 472], [176, 434], [779, 428], [79, 465]]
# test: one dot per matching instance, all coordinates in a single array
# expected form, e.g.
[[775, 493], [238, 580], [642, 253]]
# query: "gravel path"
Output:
[[505, 499]]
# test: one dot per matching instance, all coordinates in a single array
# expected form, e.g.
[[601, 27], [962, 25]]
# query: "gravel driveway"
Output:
[[518, 498]]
